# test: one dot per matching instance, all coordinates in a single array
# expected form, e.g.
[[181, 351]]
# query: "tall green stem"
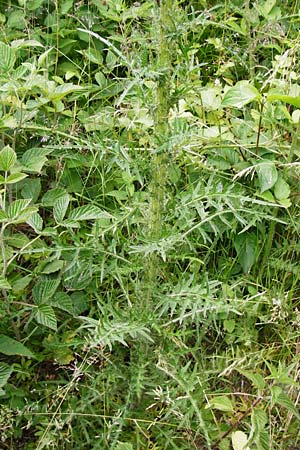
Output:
[[161, 131]]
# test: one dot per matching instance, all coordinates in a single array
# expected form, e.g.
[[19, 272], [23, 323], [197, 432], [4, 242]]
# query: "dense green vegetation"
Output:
[[149, 224]]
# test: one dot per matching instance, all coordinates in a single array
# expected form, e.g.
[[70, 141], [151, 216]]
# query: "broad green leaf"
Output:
[[45, 315], [36, 222], [21, 283], [221, 403], [4, 284], [15, 177], [62, 301], [246, 247], [88, 212], [294, 101], [31, 189], [240, 95], [17, 207], [239, 440], [51, 196], [60, 207], [9, 346], [8, 158], [53, 266], [3, 216], [35, 158], [5, 372], [7, 57], [267, 175], [281, 189], [44, 290]]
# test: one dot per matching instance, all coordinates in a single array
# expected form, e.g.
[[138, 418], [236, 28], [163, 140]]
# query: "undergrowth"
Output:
[[149, 167]]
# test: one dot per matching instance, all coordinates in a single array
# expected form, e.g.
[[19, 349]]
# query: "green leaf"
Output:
[[51, 196], [60, 207], [9, 346], [53, 266], [221, 403], [15, 177], [17, 207], [239, 440], [246, 247], [5, 372], [62, 301], [294, 101], [31, 189], [123, 446], [44, 290], [3, 216], [281, 189], [88, 212], [267, 175], [279, 397], [45, 315], [256, 379], [7, 57], [8, 158], [4, 284], [240, 95], [36, 222]]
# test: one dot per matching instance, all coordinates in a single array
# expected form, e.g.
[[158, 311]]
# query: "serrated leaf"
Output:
[[267, 175], [88, 212], [279, 397], [281, 189], [4, 284], [246, 247], [221, 403], [5, 372], [240, 95], [60, 207], [15, 177], [36, 222], [53, 266], [9, 346], [62, 301], [8, 157], [45, 315], [31, 189], [7, 57], [50, 197], [44, 290], [17, 207], [239, 440]]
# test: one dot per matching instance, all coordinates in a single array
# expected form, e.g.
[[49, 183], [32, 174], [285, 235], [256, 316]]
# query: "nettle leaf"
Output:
[[281, 189], [239, 440], [267, 175], [240, 95], [60, 207], [45, 315], [8, 157], [256, 378], [279, 397], [246, 247], [9, 346], [88, 212], [7, 57], [44, 290], [5, 373]]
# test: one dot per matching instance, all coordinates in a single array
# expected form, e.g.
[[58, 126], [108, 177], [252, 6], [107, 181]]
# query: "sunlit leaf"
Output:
[[239, 440], [7, 57], [8, 157], [240, 95], [88, 212]]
